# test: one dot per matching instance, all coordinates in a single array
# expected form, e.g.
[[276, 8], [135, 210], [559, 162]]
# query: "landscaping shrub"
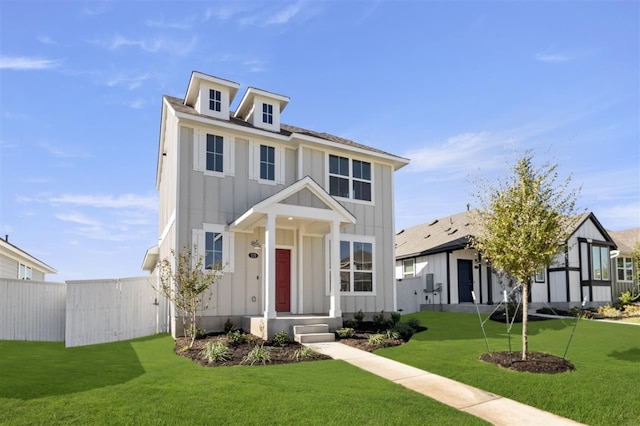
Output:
[[304, 352], [345, 332], [258, 354], [281, 338], [391, 334], [237, 337], [359, 317], [414, 323], [379, 320], [404, 330], [349, 323], [395, 318], [608, 311], [216, 352], [228, 326], [376, 339]]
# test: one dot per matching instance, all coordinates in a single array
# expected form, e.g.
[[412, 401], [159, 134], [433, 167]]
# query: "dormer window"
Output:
[[215, 100], [267, 113]]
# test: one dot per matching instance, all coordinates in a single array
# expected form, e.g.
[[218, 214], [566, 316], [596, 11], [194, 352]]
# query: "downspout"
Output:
[[567, 275], [448, 279]]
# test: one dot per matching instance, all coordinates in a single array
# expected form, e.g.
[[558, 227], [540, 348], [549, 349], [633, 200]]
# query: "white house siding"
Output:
[[8, 267], [32, 310]]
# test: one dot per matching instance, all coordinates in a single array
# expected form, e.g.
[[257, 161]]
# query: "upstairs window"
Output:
[[349, 178], [267, 162], [215, 149], [24, 272], [267, 113], [600, 263], [215, 103]]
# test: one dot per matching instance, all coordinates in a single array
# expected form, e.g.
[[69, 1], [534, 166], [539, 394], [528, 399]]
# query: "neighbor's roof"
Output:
[[453, 233], [626, 240], [285, 129], [18, 254]]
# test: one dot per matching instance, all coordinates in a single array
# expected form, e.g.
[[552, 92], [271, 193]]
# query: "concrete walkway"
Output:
[[490, 407]]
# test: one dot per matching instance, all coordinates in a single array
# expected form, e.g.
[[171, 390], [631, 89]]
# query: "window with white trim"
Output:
[[214, 154], [349, 178], [266, 163], [539, 276], [624, 268], [24, 272], [216, 246], [408, 268], [600, 263], [357, 272], [267, 113], [215, 100]]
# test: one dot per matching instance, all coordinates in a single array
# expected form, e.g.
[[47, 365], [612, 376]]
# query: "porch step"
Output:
[[313, 333]]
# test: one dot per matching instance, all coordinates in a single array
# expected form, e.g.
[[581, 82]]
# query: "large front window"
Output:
[[600, 263], [349, 178], [624, 267], [356, 266]]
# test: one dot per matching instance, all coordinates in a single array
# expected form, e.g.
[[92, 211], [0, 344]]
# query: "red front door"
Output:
[[283, 280]]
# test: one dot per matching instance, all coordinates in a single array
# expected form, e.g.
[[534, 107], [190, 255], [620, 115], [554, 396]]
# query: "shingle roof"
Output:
[[285, 129], [626, 240]]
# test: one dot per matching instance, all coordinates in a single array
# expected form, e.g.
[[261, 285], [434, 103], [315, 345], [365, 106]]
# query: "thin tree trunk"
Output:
[[525, 321]]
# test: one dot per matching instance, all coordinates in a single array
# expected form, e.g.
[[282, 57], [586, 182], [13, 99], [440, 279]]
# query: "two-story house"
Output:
[[301, 221]]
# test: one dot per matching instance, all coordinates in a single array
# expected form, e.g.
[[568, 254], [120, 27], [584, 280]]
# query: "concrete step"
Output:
[[315, 337], [311, 328]]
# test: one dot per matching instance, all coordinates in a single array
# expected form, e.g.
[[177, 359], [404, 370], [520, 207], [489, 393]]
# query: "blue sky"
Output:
[[460, 88]]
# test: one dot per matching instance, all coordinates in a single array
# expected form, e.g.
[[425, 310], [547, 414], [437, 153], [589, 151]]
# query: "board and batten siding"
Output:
[[32, 310], [100, 311], [8, 267]]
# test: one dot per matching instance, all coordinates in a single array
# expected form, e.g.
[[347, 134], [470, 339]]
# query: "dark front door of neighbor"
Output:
[[465, 280], [283, 280]]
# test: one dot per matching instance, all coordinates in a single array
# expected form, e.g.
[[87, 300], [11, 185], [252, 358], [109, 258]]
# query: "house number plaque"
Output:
[[253, 255]]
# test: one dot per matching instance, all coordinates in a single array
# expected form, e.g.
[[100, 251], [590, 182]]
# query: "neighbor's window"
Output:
[[540, 275], [214, 100], [267, 162], [215, 153], [356, 266], [267, 113], [624, 266], [600, 265], [24, 272], [349, 178], [408, 268]]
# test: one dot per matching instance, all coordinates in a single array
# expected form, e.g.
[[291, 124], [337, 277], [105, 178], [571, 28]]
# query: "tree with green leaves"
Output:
[[186, 283], [523, 222]]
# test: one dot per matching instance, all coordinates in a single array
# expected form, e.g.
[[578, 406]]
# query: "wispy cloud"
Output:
[[62, 152], [95, 8], [155, 45], [552, 57], [148, 202], [78, 218], [137, 103], [46, 40], [27, 64], [130, 82], [184, 24], [225, 11], [15, 116], [255, 65], [285, 15]]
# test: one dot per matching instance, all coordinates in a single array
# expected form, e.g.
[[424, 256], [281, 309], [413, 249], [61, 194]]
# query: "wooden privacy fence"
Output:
[[32, 310], [81, 312]]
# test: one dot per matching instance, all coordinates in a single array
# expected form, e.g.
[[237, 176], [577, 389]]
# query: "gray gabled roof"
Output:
[[626, 240], [285, 129]]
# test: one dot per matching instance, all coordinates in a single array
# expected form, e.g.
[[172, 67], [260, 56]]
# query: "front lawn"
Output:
[[143, 382], [603, 389]]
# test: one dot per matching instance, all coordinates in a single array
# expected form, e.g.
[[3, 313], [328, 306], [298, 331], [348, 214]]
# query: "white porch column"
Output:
[[334, 309], [270, 267]]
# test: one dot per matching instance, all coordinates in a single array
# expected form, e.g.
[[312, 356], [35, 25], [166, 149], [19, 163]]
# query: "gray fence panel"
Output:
[[32, 310]]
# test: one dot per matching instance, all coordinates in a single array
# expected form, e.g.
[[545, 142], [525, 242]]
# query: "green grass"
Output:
[[143, 382], [603, 389]]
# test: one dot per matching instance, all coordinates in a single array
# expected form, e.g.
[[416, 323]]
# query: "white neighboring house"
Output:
[[625, 270], [16, 263], [438, 252], [301, 221]]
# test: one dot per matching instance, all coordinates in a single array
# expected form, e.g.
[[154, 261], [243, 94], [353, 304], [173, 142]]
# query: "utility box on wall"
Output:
[[429, 288]]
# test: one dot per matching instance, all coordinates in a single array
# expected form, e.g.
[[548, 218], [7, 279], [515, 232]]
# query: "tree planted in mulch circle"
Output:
[[536, 362]]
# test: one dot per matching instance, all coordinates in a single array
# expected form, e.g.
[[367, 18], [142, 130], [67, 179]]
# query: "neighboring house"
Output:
[[625, 269], [438, 253], [18, 264], [301, 221]]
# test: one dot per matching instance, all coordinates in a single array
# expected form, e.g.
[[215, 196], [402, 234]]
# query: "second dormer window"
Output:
[[267, 113], [215, 103]]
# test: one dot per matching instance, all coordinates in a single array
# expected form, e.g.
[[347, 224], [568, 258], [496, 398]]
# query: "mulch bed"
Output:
[[536, 362]]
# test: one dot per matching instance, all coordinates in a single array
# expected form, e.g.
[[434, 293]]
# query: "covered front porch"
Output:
[[295, 271]]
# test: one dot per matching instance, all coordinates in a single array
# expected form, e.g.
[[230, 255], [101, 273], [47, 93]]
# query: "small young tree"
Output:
[[186, 283], [523, 223]]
